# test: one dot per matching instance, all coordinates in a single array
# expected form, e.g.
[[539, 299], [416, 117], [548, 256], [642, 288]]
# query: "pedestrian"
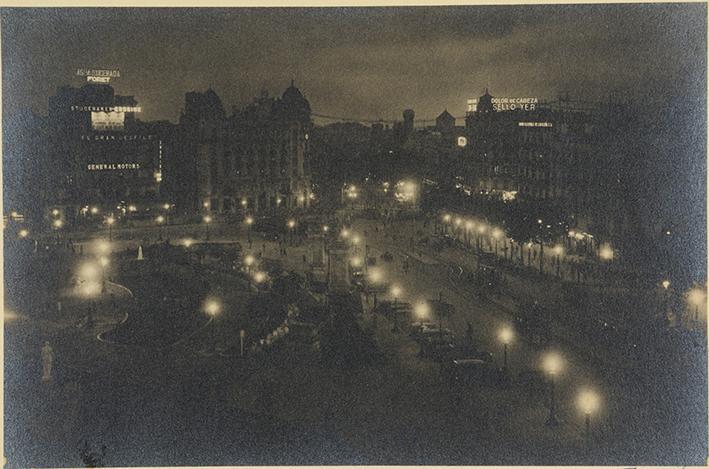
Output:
[[47, 360]]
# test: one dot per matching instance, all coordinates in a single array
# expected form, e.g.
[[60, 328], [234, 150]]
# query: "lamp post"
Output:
[[104, 262], [375, 276], [496, 234], [396, 293], [212, 307], [506, 335], [552, 364], [558, 251], [695, 298], [588, 402], [110, 221], [291, 228], [160, 220], [207, 220]]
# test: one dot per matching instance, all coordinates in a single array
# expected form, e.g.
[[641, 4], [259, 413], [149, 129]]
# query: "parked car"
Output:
[[472, 372]]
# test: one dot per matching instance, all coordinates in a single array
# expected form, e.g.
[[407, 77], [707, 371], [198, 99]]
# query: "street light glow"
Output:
[[345, 233], [588, 401], [160, 219], [606, 252], [396, 291], [55, 212], [23, 233], [356, 262], [422, 310], [695, 297], [57, 223], [446, 218], [665, 284], [458, 221], [207, 219], [132, 208], [212, 307], [325, 228], [187, 242], [497, 233], [249, 260], [94, 210], [481, 229], [166, 206], [375, 275], [552, 363], [103, 260], [469, 225], [110, 220], [506, 335], [88, 272], [259, 277], [249, 220], [559, 250], [355, 239]]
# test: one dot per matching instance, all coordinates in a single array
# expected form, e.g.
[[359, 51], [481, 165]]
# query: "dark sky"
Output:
[[368, 63]]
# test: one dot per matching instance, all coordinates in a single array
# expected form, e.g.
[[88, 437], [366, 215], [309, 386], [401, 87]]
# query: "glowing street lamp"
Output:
[[666, 284], [57, 224], [375, 276], [345, 233], [497, 235], [187, 242], [552, 364], [396, 292], [325, 228], [249, 260], [55, 212], [259, 277], [506, 334], [422, 310], [606, 252], [589, 402], [166, 206], [23, 233], [695, 297], [558, 251], [160, 220], [94, 210], [249, 220], [110, 221], [212, 307], [207, 219]]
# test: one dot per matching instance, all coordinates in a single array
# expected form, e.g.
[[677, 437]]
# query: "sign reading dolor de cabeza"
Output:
[[507, 104]]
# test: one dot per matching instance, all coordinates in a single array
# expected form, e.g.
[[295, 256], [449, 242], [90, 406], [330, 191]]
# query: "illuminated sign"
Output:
[[98, 79], [535, 124], [95, 137], [507, 104], [107, 108], [107, 120], [112, 166], [93, 72]]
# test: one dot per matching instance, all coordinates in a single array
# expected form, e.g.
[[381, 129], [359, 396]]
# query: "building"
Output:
[[255, 160], [557, 153], [101, 155]]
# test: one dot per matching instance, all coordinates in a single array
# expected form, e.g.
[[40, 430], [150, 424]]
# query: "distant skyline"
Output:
[[367, 63]]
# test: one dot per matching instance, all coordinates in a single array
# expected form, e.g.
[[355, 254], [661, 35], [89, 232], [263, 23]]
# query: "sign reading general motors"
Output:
[[507, 104]]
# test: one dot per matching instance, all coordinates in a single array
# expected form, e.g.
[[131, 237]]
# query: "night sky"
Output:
[[367, 63]]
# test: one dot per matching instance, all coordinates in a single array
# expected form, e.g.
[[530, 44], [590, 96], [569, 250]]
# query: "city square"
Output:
[[226, 276]]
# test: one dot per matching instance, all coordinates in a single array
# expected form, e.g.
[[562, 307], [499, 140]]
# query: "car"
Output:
[[473, 371], [437, 347]]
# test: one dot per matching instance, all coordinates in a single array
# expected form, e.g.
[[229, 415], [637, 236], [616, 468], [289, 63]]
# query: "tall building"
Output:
[[255, 160], [101, 154]]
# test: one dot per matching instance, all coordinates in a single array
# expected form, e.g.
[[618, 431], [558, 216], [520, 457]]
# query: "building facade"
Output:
[[255, 160]]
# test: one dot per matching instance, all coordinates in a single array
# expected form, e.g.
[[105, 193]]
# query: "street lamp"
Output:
[[666, 284], [103, 260], [375, 276], [160, 220], [249, 260], [422, 310], [552, 364], [55, 212], [558, 251], [23, 233], [57, 224], [345, 233], [496, 235], [259, 277], [212, 307], [207, 220], [588, 402], [396, 293], [606, 252], [695, 298], [506, 335], [110, 221], [94, 210]]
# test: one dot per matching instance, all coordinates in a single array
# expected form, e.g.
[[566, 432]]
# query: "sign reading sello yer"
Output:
[[507, 104]]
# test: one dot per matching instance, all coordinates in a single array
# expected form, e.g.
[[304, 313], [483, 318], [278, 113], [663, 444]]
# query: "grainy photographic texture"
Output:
[[425, 235]]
